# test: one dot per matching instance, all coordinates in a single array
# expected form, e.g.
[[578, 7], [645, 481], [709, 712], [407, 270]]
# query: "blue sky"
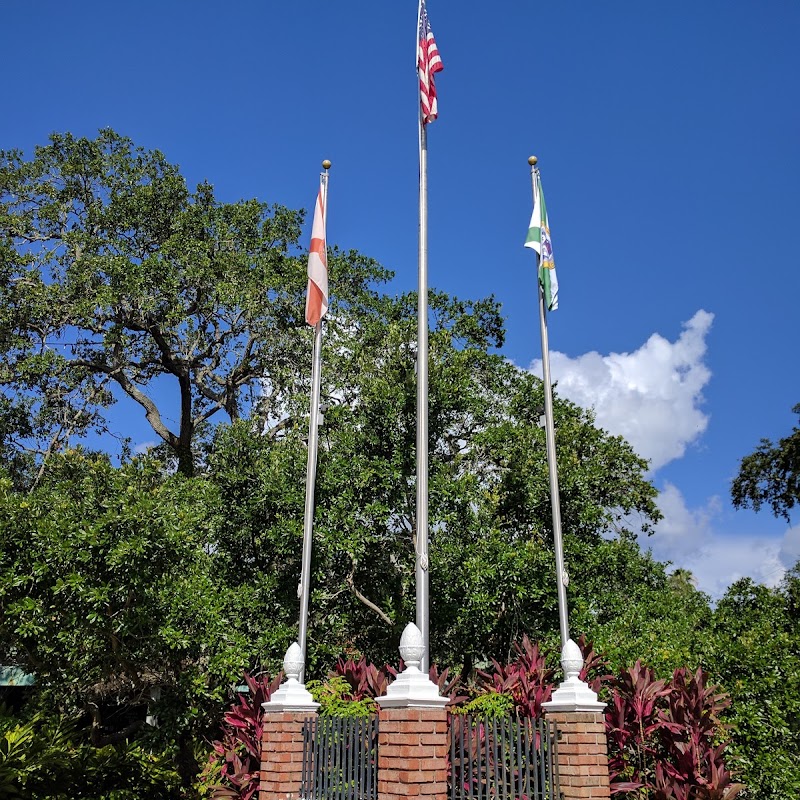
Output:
[[668, 137]]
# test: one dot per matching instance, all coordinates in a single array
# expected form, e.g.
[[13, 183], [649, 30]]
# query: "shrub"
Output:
[[366, 681], [233, 766], [337, 699], [664, 737], [48, 757], [527, 679]]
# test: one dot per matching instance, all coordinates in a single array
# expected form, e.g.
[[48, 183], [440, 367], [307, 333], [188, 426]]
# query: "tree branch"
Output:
[[350, 580], [152, 414]]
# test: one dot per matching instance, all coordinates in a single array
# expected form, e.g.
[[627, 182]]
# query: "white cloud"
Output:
[[724, 560], [790, 547], [143, 447], [682, 530], [651, 396], [686, 537]]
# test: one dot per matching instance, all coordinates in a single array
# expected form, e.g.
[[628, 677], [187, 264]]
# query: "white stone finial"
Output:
[[571, 660], [292, 695], [293, 662], [412, 647], [412, 688], [573, 694]]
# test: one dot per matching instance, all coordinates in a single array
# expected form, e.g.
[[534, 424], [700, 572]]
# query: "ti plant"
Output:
[[236, 757], [527, 679], [663, 737]]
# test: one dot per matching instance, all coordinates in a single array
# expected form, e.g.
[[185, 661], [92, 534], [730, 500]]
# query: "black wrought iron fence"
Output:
[[340, 759], [509, 758]]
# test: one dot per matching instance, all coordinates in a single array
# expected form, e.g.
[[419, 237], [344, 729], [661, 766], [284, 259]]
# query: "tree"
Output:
[[110, 594], [114, 277], [632, 609], [754, 647], [770, 474], [758, 635], [492, 566]]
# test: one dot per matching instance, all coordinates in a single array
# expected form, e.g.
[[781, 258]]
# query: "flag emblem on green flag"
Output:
[[538, 239]]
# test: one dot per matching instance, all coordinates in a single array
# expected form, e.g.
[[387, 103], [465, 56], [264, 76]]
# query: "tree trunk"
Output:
[[184, 448]]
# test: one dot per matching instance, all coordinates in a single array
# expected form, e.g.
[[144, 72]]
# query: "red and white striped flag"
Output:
[[317, 296], [429, 62]]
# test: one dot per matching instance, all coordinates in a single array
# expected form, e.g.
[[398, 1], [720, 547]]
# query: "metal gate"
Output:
[[509, 758], [340, 758]]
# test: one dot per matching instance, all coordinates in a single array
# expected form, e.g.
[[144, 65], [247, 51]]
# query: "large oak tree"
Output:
[[115, 276]]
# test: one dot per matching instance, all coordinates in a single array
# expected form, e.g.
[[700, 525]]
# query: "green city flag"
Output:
[[538, 239]]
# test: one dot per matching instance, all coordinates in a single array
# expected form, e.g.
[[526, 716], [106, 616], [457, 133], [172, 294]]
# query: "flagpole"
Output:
[[311, 464], [423, 621], [561, 573]]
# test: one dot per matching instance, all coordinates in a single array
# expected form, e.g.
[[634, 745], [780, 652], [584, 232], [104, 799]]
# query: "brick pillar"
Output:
[[412, 733], [582, 754], [282, 732], [282, 755], [412, 753], [582, 750]]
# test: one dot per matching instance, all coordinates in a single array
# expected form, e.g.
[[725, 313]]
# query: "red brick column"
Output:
[[582, 754], [282, 754], [412, 753]]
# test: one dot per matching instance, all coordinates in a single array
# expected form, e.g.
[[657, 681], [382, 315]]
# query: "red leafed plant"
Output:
[[365, 679], [368, 681], [634, 720], [662, 737], [595, 667], [527, 679], [448, 688], [236, 757], [695, 757]]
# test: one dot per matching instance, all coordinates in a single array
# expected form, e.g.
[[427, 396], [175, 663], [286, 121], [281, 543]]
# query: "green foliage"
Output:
[[634, 609], [46, 758], [30, 754], [756, 652], [487, 705], [105, 580], [335, 696], [490, 529], [771, 475], [110, 593], [756, 643]]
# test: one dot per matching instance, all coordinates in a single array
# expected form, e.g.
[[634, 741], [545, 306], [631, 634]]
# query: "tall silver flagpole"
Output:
[[550, 433], [304, 589], [423, 622]]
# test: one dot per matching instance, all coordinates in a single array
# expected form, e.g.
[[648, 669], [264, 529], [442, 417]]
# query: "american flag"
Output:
[[428, 64]]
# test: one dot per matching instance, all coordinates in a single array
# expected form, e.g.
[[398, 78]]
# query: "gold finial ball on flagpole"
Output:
[[326, 164], [532, 160]]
